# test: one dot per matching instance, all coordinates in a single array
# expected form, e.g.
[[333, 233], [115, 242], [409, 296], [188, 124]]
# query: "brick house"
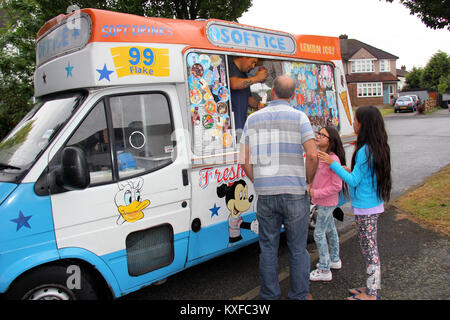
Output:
[[370, 72], [401, 75]]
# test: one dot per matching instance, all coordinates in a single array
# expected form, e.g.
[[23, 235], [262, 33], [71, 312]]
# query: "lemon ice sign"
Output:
[[142, 61]]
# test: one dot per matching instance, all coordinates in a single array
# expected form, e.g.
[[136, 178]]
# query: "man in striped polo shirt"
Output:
[[271, 153]]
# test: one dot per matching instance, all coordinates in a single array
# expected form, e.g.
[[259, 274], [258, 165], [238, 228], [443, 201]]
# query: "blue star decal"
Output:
[[69, 69], [214, 211], [22, 221], [104, 73]]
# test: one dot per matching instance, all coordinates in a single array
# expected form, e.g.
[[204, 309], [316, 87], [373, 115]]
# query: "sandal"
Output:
[[354, 297], [356, 291]]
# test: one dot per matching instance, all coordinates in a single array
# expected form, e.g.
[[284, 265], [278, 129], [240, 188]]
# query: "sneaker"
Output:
[[333, 265], [336, 265], [320, 275]]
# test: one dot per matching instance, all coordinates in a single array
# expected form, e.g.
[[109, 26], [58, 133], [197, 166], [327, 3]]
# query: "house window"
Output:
[[370, 89], [385, 66], [362, 65]]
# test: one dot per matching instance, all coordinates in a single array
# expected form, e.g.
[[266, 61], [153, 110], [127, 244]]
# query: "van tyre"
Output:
[[52, 282]]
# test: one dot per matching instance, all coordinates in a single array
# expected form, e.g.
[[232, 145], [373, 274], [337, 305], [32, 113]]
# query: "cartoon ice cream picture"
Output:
[[343, 96], [128, 201]]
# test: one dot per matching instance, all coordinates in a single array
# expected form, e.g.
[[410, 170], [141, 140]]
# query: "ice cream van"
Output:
[[126, 170]]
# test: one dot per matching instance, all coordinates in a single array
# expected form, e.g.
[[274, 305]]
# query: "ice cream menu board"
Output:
[[315, 92], [209, 97]]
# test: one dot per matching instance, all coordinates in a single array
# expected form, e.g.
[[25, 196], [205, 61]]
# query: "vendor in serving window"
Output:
[[240, 83]]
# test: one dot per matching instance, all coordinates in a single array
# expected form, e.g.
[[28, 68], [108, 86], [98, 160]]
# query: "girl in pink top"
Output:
[[324, 194]]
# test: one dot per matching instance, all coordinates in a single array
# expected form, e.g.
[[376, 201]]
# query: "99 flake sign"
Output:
[[143, 61]]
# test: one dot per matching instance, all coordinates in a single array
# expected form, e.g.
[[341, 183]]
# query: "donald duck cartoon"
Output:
[[128, 201]]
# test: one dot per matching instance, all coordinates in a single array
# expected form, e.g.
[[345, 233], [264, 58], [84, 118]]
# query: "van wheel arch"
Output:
[[43, 279]]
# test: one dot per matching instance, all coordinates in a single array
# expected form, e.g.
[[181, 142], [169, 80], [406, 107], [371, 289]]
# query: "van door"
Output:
[[135, 213]]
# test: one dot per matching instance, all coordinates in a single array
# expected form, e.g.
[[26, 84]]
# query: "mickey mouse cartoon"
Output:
[[237, 201]]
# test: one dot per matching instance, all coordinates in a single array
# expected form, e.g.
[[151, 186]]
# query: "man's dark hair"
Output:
[[283, 89]]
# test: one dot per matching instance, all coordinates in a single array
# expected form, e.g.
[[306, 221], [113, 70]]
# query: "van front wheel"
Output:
[[53, 282]]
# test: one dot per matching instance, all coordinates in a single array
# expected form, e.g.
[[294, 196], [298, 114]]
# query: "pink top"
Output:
[[326, 185]]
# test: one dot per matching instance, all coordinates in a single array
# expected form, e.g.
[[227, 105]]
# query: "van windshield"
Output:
[[31, 136]]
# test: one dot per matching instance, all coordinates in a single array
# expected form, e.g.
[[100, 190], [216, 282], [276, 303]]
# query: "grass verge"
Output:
[[433, 110], [386, 111], [429, 204]]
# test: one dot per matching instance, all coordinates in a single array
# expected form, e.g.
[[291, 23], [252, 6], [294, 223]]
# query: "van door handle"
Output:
[[184, 173]]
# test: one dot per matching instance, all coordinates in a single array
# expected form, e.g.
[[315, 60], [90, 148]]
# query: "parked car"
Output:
[[416, 100], [405, 103]]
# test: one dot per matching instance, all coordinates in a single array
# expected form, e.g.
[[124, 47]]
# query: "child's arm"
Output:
[[333, 188], [353, 178]]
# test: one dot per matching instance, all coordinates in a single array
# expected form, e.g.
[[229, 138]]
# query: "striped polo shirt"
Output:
[[275, 135]]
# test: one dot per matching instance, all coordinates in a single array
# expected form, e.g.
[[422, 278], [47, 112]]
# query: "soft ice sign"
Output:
[[71, 35], [231, 36]]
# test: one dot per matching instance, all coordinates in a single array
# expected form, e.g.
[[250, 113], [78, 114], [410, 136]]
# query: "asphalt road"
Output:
[[420, 146]]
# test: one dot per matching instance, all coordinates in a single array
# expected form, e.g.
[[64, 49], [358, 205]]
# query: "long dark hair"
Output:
[[373, 134], [335, 146]]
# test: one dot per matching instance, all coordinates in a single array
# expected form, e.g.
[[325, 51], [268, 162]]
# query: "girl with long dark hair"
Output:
[[370, 184], [324, 194]]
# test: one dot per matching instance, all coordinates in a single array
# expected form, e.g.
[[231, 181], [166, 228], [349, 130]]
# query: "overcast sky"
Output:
[[386, 26]]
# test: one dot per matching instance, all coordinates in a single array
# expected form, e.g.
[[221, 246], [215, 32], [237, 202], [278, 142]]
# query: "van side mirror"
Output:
[[75, 169]]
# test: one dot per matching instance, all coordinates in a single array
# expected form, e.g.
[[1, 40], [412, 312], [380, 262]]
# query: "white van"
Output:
[[125, 171]]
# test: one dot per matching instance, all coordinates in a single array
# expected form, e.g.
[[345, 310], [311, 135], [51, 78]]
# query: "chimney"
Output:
[[343, 39]]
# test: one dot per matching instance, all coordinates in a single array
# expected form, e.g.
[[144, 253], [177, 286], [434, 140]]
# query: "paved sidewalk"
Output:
[[415, 263]]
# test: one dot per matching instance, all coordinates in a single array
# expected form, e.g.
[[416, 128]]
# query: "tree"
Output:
[[51, 8], [17, 60], [434, 77], [438, 67], [23, 19], [414, 79], [435, 14], [178, 9], [199, 9], [444, 84]]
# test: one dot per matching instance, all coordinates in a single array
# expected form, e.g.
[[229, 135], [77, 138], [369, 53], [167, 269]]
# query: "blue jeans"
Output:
[[325, 228], [293, 211]]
